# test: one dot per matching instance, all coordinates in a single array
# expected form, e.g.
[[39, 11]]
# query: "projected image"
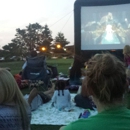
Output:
[[105, 27]]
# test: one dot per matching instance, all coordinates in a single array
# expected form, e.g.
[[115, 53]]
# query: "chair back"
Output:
[[35, 69]]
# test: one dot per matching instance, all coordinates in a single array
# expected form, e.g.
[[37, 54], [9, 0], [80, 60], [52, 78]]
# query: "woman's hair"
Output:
[[60, 85], [84, 89], [106, 78], [10, 93], [126, 50]]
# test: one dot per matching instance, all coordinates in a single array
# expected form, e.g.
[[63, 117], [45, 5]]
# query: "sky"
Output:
[[57, 14]]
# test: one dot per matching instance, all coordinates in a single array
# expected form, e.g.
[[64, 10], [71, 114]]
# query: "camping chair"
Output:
[[36, 70]]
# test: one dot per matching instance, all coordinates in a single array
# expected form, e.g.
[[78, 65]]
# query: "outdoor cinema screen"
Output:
[[105, 27]]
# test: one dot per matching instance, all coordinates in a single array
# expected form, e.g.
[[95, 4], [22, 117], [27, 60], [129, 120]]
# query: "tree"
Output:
[[45, 38], [59, 43], [35, 36], [47, 33], [61, 39]]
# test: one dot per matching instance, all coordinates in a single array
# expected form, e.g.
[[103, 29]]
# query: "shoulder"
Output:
[[77, 125], [66, 90], [101, 120], [7, 109], [89, 123], [56, 91]]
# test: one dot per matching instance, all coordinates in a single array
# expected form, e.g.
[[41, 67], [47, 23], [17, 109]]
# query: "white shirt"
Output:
[[62, 101]]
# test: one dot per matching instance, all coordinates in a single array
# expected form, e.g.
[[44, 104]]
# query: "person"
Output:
[[126, 53], [61, 98], [35, 69], [82, 99], [32, 55], [75, 72], [37, 98], [106, 83], [127, 94], [15, 112]]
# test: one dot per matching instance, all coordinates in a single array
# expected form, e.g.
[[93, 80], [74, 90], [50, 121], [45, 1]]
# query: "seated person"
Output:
[[37, 98], [61, 98], [126, 53], [106, 83], [127, 94], [15, 112], [35, 69], [75, 72], [82, 99], [33, 54]]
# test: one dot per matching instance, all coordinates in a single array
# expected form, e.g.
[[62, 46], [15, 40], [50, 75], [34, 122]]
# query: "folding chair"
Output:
[[36, 70]]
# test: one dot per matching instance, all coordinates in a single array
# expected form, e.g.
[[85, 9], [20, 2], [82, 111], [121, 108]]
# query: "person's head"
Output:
[[60, 85], [10, 93], [8, 87], [33, 53], [126, 50], [106, 79]]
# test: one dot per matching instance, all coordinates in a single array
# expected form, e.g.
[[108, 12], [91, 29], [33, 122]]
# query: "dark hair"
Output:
[[33, 53], [75, 71], [60, 85], [106, 78]]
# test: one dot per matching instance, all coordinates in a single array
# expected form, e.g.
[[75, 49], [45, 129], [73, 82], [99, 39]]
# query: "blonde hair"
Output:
[[10, 93], [126, 50], [128, 73], [106, 78]]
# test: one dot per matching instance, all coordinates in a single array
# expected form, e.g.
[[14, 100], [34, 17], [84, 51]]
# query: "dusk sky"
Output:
[[57, 14]]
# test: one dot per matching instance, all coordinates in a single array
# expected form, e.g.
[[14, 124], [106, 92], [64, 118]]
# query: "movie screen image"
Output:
[[105, 27]]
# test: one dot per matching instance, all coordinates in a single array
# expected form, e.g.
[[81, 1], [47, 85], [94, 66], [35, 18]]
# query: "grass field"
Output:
[[62, 66]]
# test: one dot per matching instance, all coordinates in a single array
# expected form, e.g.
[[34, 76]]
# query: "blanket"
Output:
[[48, 115]]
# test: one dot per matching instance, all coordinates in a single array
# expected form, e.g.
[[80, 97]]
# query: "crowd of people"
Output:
[[104, 88]]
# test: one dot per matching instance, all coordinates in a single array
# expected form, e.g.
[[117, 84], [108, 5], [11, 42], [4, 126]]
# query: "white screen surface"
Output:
[[105, 27]]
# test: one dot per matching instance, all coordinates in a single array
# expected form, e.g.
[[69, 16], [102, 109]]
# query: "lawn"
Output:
[[62, 66]]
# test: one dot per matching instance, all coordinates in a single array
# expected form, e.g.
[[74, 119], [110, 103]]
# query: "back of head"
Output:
[[126, 50], [33, 53], [106, 78], [60, 85], [10, 93], [8, 87]]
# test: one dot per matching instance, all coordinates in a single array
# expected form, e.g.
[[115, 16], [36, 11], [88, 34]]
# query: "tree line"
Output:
[[33, 37]]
